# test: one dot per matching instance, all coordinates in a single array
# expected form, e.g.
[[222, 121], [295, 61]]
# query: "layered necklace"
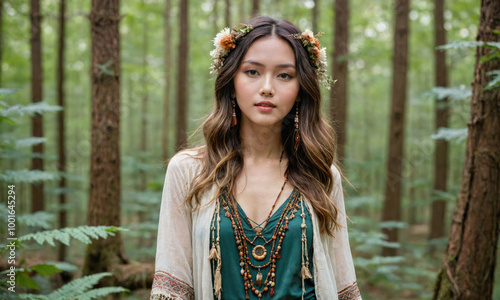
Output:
[[245, 245]]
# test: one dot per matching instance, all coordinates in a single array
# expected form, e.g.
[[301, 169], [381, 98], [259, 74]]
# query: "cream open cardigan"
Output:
[[183, 270]]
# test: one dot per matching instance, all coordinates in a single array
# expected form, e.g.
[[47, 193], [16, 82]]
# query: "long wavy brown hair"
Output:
[[308, 167]]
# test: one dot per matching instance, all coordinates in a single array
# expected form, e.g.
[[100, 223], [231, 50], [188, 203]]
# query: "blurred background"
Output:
[[159, 106]]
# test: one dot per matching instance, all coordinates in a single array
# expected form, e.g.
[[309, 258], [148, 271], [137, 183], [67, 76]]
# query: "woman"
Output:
[[258, 212]]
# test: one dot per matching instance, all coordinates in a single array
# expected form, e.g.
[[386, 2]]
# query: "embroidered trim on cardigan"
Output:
[[350, 293], [166, 286]]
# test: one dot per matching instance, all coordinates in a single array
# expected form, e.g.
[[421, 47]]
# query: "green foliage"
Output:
[[450, 134], [468, 44], [81, 233], [495, 82], [39, 219], [29, 109], [78, 289], [29, 176], [457, 94], [28, 142]]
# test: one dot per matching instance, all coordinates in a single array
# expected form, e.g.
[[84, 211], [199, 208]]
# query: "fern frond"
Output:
[[449, 134], [457, 94], [30, 109], [77, 287], [40, 219], [101, 292], [28, 142], [29, 176], [468, 44], [81, 233]]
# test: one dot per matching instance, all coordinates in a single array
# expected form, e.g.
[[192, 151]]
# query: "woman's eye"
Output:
[[252, 72], [285, 76]]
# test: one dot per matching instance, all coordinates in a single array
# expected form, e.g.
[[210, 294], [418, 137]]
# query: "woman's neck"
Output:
[[261, 143]]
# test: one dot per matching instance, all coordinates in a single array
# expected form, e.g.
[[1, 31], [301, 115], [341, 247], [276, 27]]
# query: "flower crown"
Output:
[[226, 40]]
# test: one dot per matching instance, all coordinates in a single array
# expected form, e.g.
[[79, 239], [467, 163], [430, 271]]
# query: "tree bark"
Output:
[[441, 152], [37, 197], [104, 206], [396, 131], [61, 147], [167, 59], [255, 8], [338, 93], [469, 264], [182, 77]]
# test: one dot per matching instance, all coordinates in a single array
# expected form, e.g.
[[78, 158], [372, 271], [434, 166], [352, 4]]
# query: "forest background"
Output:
[[410, 274]]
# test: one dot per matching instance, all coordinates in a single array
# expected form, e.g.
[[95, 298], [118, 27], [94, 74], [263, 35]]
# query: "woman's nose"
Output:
[[267, 88]]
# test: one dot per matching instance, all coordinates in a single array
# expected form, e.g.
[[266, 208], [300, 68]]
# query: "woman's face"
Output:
[[266, 84]]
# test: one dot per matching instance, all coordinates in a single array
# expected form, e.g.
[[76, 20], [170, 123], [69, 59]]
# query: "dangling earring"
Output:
[[297, 132], [234, 121]]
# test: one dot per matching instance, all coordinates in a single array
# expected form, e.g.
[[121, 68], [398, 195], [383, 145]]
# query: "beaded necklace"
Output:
[[243, 243], [243, 247]]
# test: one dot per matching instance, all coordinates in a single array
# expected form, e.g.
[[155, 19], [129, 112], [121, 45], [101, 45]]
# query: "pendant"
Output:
[[259, 252], [258, 279]]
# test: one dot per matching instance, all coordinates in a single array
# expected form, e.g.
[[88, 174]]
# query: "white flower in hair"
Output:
[[224, 42]]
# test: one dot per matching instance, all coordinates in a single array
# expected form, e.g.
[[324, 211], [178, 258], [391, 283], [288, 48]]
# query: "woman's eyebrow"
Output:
[[253, 62]]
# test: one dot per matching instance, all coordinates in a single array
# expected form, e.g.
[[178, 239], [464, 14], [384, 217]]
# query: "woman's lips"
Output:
[[265, 106]]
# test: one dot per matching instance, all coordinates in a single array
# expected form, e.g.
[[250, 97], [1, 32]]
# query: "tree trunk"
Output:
[[215, 17], [227, 16], [167, 59], [396, 131], [141, 214], [105, 194], [469, 264], [62, 220], [315, 13], [144, 106], [241, 11], [182, 78], [338, 93], [37, 197], [255, 8], [1, 41], [441, 152]]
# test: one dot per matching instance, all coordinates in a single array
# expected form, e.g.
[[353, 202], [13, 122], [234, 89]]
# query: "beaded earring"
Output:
[[234, 121], [297, 132]]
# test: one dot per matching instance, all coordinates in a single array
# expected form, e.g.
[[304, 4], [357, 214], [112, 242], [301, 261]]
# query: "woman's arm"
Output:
[[345, 275], [174, 262]]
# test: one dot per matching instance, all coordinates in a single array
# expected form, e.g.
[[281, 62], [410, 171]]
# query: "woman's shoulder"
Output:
[[186, 160]]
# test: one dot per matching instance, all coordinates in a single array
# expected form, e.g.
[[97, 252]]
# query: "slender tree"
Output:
[[255, 7], [338, 94], [37, 197], [315, 13], [215, 16], [167, 62], [61, 167], [470, 259], [396, 131], [104, 205], [441, 153], [227, 15], [144, 103], [1, 39], [182, 98]]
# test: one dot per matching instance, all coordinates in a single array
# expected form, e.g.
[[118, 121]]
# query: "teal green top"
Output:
[[288, 281]]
